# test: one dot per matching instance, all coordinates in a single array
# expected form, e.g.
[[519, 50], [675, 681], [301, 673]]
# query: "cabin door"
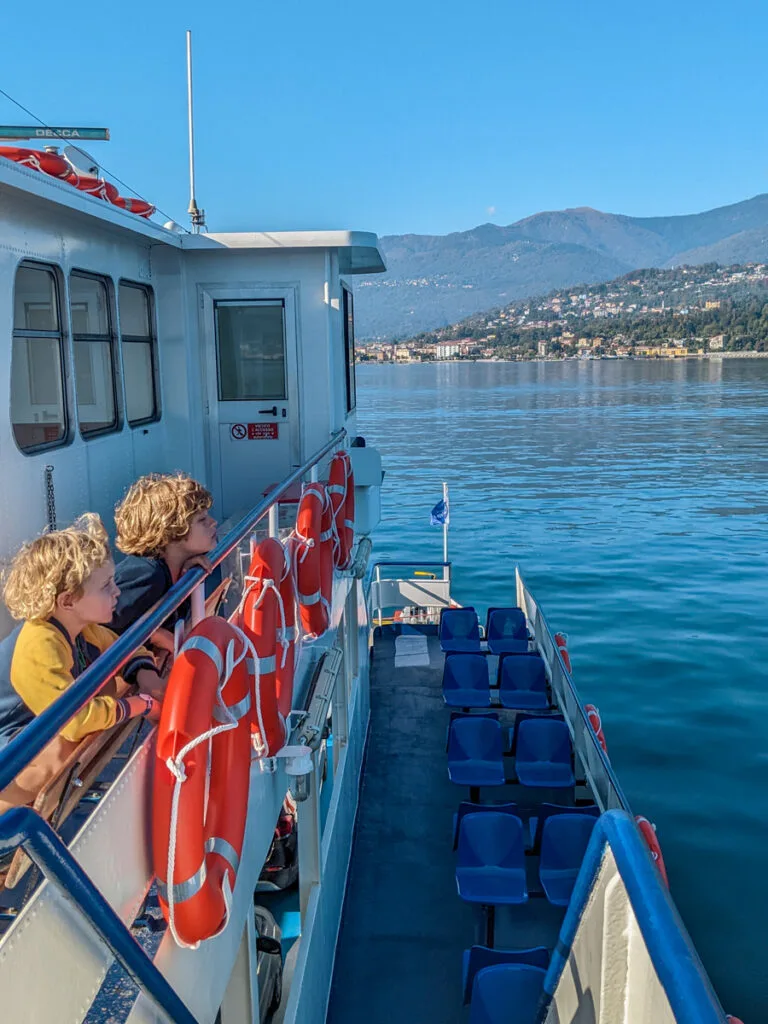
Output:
[[254, 429]]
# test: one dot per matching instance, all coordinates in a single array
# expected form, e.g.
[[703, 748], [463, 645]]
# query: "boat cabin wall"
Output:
[[125, 355], [275, 355], [90, 382]]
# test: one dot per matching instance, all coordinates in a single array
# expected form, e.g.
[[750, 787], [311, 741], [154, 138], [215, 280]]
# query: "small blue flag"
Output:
[[440, 515]]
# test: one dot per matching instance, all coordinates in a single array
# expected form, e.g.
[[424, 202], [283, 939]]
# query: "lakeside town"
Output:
[[650, 314]]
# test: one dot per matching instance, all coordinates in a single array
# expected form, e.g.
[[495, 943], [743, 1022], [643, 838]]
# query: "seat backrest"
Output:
[[466, 672], [544, 739], [475, 738], [546, 811], [507, 992], [491, 840], [14, 713], [522, 672], [564, 841], [459, 624], [480, 957], [506, 624], [467, 807]]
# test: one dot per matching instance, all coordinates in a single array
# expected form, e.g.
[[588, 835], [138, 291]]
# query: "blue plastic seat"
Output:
[[467, 807], [543, 754], [475, 754], [490, 864], [478, 958], [465, 681], [506, 631], [459, 630], [546, 811], [564, 842], [523, 682], [507, 994]]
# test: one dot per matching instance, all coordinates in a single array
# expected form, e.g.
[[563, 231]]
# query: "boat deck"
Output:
[[399, 953]]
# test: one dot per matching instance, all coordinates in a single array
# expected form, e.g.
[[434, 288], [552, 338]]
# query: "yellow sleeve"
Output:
[[104, 638], [41, 671]]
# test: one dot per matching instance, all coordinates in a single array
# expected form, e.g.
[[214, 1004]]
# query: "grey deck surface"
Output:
[[404, 928]]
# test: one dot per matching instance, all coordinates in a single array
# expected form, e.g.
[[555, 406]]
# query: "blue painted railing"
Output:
[[22, 826], [676, 962], [42, 729]]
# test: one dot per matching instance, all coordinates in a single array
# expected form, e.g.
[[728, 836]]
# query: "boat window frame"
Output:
[[154, 358], [348, 320], [61, 335], [111, 338]]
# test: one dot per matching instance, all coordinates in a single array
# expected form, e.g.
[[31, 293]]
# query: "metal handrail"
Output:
[[23, 826], [675, 960], [42, 729]]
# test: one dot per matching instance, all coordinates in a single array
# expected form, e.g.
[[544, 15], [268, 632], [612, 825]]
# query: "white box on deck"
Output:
[[366, 465]]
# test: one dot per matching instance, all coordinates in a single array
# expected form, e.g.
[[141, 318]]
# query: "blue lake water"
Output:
[[634, 497]]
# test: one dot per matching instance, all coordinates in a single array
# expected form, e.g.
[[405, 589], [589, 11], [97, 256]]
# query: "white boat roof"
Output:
[[358, 250]]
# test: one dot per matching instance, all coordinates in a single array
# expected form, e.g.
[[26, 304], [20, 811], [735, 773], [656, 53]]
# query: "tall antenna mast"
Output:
[[196, 216]]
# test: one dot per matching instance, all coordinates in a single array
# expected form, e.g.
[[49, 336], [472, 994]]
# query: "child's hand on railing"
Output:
[[194, 560]]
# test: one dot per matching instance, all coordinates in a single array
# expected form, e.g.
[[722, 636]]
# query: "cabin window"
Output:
[[138, 342], [251, 350], [38, 405], [94, 358], [348, 310]]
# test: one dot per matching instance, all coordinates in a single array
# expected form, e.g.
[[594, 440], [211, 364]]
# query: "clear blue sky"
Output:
[[411, 115]]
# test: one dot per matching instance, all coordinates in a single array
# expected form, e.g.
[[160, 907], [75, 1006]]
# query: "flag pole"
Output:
[[445, 529]]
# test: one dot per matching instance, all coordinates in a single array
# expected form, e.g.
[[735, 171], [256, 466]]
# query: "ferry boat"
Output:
[[433, 832]]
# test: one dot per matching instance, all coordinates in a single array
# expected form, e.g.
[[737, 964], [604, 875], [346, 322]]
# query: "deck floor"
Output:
[[404, 927]]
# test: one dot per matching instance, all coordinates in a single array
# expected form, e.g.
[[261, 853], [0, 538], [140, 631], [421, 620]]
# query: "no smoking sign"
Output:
[[254, 431]]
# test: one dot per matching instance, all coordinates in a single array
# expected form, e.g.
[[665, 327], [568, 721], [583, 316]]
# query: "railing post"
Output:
[[274, 520], [197, 605], [314, 474], [310, 849]]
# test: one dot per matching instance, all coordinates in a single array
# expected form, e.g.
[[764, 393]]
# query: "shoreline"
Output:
[[571, 359]]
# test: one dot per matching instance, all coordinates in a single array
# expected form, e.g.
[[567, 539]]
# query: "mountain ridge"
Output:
[[434, 280]]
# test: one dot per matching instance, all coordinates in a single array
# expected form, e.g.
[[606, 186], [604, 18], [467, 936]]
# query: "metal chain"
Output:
[[50, 498]]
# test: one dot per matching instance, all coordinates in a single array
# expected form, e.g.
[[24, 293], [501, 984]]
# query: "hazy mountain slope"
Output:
[[438, 279]]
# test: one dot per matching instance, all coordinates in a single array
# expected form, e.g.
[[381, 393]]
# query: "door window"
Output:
[[250, 346]]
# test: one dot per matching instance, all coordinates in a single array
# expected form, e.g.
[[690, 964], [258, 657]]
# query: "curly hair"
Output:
[[156, 510], [55, 563]]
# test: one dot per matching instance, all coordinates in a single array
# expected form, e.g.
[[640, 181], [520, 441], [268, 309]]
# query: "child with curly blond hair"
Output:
[[62, 585], [164, 527]]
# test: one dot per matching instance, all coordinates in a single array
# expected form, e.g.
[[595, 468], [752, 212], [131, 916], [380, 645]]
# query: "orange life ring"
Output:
[[561, 641], [262, 613], [341, 489], [138, 206], [313, 568], [286, 641], [97, 187], [199, 812], [327, 542], [648, 833], [594, 720], [49, 163]]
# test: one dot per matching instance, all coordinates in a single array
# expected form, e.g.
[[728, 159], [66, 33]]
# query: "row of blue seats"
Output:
[[521, 680], [491, 840], [541, 747], [506, 986], [506, 631]]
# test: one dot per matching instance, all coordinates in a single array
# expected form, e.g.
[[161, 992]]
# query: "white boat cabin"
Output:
[[137, 349]]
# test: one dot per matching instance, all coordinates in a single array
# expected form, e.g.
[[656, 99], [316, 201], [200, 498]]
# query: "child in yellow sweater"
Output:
[[63, 586]]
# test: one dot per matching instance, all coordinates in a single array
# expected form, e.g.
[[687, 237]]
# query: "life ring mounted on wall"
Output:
[[200, 803]]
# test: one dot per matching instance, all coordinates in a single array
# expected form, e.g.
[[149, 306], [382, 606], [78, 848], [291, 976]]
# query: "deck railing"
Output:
[[24, 827], [621, 909], [42, 729], [605, 785]]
